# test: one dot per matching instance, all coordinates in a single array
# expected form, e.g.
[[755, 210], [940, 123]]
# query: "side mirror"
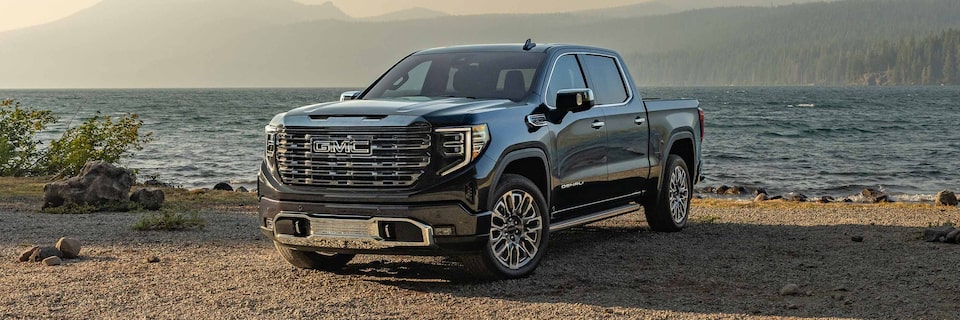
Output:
[[575, 99], [349, 95]]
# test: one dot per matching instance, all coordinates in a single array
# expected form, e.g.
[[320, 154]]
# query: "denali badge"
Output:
[[357, 147]]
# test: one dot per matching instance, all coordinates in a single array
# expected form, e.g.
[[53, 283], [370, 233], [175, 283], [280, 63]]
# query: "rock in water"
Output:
[[946, 198], [826, 199], [938, 234], [760, 197], [735, 190], [25, 255], [790, 290], [70, 248], [242, 189], [875, 196], [151, 199], [796, 197], [52, 261], [98, 182], [223, 186], [759, 191], [45, 252]]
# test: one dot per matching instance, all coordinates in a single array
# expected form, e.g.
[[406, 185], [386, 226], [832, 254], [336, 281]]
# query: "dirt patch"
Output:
[[731, 263]]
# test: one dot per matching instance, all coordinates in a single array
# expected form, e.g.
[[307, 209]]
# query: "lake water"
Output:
[[814, 140]]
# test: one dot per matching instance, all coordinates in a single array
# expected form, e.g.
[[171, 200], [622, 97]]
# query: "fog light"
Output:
[[444, 230], [268, 223]]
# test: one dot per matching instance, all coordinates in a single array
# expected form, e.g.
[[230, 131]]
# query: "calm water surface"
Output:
[[815, 140]]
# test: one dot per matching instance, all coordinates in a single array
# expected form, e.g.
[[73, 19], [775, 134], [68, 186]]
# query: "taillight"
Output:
[[701, 123]]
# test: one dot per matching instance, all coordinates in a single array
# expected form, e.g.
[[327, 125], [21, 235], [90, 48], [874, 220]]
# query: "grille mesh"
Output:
[[397, 157]]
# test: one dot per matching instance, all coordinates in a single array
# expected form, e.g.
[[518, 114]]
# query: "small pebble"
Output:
[[857, 238], [52, 261], [153, 259]]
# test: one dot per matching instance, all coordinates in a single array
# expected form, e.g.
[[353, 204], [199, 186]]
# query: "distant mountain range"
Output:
[[253, 43]]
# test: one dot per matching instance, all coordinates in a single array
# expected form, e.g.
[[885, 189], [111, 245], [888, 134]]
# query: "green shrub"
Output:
[[19, 152], [103, 138]]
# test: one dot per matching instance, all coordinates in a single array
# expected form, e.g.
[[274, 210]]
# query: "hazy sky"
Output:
[[22, 13]]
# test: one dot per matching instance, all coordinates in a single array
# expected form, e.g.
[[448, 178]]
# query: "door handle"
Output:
[[639, 121], [598, 124]]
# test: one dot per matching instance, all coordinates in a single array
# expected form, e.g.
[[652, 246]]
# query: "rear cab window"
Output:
[[605, 78]]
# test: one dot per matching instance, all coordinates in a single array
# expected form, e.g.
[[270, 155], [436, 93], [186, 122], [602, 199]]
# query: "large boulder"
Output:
[[150, 199], [70, 248], [98, 183], [946, 198]]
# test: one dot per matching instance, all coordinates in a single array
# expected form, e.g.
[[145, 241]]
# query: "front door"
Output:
[[581, 150]]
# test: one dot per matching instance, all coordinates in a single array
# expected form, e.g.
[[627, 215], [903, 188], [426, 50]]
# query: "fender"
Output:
[[678, 135], [529, 152]]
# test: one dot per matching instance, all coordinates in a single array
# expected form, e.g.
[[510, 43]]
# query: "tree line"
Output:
[[929, 60]]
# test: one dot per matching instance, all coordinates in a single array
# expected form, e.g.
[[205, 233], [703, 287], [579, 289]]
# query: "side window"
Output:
[[410, 84], [566, 75], [605, 79]]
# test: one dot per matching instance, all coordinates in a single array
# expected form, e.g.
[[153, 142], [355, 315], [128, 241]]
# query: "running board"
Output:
[[609, 213]]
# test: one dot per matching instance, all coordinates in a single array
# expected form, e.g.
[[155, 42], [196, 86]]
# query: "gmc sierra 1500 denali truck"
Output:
[[478, 152]]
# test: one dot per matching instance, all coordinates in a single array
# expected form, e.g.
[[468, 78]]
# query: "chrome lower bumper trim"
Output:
[[350, 232]]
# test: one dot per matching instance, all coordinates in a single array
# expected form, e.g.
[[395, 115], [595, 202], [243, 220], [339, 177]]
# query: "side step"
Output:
[[609, 213]]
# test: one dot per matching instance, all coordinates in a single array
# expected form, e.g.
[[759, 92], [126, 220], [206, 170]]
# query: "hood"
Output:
[[401, 107]]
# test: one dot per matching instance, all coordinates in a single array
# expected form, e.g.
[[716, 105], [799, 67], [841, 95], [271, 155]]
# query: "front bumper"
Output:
[[374, 229]]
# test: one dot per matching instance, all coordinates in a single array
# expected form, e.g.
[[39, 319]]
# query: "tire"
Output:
[[313, 260], [519, 232], [671, 208]]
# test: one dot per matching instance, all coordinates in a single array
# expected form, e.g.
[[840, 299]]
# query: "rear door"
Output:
[[628, 163]]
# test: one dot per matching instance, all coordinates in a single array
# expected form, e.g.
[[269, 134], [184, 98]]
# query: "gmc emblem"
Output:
[[346, 146]]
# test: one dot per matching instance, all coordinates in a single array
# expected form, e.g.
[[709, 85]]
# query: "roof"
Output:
[[506, 47]]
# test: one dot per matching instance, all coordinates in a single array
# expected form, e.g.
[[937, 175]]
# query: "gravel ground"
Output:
[[730, 263]]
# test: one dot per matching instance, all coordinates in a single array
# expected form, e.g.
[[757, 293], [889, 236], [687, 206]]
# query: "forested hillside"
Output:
[[910, 61], [841, 43], [283, 43]]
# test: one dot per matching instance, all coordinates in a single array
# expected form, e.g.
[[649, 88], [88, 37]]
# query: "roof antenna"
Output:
[[528, 45]]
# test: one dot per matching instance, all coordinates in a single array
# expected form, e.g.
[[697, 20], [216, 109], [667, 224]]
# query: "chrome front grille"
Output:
[[394, 157]]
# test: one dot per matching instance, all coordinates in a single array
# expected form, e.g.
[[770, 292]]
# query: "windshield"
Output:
[[477, 75]]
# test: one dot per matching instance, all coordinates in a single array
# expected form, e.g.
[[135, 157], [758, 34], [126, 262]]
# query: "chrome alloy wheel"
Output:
[[679, 194], [516, 228]]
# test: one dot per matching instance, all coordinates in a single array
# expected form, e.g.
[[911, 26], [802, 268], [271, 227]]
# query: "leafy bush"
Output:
[[19, 152], [103, 138]]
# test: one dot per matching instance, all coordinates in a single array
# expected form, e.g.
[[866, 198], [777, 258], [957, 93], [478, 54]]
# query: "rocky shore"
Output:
[[942, 198]]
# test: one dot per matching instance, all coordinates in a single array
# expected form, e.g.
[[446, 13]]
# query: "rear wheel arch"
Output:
[[681, 144]]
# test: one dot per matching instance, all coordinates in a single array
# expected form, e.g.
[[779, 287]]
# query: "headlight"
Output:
[[461, 145], [271, 140], [270, 134]]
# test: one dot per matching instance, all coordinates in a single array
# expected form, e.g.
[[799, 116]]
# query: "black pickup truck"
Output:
[[478, 152]]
